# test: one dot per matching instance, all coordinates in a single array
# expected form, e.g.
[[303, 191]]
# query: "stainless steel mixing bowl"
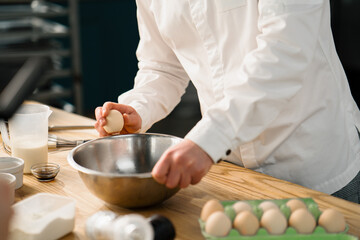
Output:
[[117, 169]]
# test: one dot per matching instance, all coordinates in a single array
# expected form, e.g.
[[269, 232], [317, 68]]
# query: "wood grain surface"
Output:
[[225, 181]]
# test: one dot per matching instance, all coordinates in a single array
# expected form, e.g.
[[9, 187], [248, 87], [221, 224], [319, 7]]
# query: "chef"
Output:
[[274, 97]]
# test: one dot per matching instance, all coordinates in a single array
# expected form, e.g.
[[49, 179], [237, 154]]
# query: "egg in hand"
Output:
[[114, 122]]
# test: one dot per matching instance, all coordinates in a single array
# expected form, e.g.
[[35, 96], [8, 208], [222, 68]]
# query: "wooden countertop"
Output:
[[225, 181]]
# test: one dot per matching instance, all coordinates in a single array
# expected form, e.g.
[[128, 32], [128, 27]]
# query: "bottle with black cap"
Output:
[[106, 225], [163, 227]]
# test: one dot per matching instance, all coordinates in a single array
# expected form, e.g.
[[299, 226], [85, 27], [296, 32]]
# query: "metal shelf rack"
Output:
[[30, 28]]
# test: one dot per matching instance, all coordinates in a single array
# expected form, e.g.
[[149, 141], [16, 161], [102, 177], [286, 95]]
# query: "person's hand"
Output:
[[132, 120], [5, 210], [181, 165]]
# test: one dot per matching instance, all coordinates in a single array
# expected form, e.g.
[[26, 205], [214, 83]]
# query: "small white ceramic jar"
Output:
[[11, 181], [15, 166]]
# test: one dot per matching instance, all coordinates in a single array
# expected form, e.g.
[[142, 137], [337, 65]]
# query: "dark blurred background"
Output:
[[93, 56]]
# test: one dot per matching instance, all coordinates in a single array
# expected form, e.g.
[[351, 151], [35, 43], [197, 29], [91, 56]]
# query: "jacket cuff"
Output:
[[209, 137]]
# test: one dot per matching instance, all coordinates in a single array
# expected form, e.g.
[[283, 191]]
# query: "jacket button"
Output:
[[228, 152]]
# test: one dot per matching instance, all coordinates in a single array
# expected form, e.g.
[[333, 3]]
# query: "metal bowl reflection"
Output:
[[117, 169]]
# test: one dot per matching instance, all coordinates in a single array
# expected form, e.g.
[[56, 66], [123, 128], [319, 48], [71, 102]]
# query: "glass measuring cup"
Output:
[[28, 134]]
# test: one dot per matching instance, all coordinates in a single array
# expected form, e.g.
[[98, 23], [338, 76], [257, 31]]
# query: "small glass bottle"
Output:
[[106, 225]]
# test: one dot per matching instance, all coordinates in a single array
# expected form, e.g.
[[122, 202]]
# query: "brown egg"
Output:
[[274, 221], [210, 207], [294, 204], [218, 224], [241, 206], [332, 221], [266, 205], [246, 223], [302, 220]]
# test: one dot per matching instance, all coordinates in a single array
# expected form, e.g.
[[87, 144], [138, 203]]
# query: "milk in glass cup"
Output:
[[28, 129]]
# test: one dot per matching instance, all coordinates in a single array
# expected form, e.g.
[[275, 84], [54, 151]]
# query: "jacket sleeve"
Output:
[[269, 77], [161, 80]]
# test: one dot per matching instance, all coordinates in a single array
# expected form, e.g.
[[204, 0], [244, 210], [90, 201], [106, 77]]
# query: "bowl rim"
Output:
[[82, 169], [17, 164], [47, 164]]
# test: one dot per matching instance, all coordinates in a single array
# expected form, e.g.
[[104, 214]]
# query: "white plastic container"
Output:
[[9, 179], [15, 166], [42, 217]]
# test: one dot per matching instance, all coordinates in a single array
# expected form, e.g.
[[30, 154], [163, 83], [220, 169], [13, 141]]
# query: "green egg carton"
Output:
[[290, 233]]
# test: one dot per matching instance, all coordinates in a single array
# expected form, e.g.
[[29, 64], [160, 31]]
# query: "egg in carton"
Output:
[[262, 219]]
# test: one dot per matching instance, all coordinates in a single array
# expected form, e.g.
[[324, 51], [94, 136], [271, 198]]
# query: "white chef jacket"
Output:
[[270, 84]]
